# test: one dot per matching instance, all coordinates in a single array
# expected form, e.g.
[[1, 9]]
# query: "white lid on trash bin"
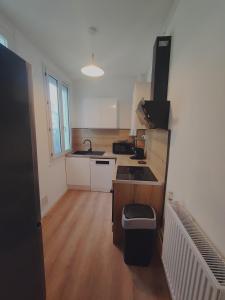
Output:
[[138, 216]]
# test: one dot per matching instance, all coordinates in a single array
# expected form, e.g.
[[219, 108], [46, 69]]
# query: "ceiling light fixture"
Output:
[[92, 70]]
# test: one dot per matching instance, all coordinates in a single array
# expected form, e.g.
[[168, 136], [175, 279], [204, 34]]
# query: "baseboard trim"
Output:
[[79, 187]]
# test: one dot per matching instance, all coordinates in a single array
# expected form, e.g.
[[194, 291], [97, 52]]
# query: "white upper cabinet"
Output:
[[141, 91], [99, 113]]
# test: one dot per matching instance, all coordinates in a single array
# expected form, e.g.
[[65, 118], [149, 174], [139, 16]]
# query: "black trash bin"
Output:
[[139, 226]]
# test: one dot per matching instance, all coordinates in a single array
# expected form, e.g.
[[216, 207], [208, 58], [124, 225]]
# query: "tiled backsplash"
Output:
[[102, 139], [156, 147], [156, 144]]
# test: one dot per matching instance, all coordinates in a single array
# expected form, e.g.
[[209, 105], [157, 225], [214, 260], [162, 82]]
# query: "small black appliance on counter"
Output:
[[138, 153], [123, 147]]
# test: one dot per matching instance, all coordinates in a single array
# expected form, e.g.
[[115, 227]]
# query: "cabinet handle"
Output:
[[102, 162]]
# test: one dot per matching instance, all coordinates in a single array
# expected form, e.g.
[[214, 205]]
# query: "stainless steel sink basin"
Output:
[[89, 153]]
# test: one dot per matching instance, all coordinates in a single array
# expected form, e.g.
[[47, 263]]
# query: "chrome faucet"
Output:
[[90, 144]]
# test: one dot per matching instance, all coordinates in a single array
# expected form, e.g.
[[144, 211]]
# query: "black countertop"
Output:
[[135, 173]]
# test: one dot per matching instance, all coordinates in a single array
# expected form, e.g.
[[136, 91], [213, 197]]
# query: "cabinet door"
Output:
[[78, 171], [135, 193], [108, 113], [99, 113]]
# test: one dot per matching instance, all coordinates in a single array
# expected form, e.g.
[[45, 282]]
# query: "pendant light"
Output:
[[92, 70]]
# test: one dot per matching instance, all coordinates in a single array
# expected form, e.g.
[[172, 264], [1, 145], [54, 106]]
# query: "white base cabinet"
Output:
[[84, 173], [78, 172]]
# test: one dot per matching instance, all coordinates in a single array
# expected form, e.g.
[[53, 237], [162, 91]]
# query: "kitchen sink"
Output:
[[89, 153]]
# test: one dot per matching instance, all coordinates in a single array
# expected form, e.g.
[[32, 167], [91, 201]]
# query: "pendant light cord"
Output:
[[92, 58]]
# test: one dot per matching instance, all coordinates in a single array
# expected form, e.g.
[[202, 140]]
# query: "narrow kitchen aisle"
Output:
[[81, 261]]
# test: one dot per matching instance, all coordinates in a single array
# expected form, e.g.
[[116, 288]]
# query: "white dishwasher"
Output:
[[102, 171]]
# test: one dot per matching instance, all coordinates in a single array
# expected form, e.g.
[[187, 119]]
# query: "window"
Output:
[[3, 41], [58, 108], [65, 109]]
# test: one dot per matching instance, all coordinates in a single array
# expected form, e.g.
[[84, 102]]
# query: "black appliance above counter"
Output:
[[154, 113]]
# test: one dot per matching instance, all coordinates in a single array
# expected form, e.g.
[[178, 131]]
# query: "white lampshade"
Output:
[[92, 71]]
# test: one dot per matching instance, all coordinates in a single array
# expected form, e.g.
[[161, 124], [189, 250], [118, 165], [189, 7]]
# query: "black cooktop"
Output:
[[135, 173]]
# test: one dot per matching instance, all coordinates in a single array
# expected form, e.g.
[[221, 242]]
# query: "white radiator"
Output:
[[194, 269]]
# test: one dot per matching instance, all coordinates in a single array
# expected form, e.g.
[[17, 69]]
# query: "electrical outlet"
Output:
[[170, 196]]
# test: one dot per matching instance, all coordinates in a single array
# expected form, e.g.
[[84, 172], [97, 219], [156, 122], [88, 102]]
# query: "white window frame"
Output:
[[47, 72]]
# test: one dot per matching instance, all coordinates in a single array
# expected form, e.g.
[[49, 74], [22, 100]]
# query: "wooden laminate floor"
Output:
[[81, 261]]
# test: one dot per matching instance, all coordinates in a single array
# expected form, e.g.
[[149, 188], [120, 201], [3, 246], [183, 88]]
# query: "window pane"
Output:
[[55, 117], [3, 41], [66, 125]]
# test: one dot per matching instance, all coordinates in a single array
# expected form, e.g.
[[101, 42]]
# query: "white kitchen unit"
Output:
[[78, 172], [99, 113], [141, 90], [102, 171]]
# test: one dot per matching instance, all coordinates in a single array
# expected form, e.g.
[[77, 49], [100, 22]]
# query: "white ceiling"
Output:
[[123, 45]]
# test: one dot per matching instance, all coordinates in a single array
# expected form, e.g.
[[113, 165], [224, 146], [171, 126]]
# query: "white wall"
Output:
[[120, 88], [52, 177], [197, 91]]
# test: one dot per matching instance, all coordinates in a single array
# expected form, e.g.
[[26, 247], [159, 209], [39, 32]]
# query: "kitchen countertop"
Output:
[[106, 155], [124, 160]]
